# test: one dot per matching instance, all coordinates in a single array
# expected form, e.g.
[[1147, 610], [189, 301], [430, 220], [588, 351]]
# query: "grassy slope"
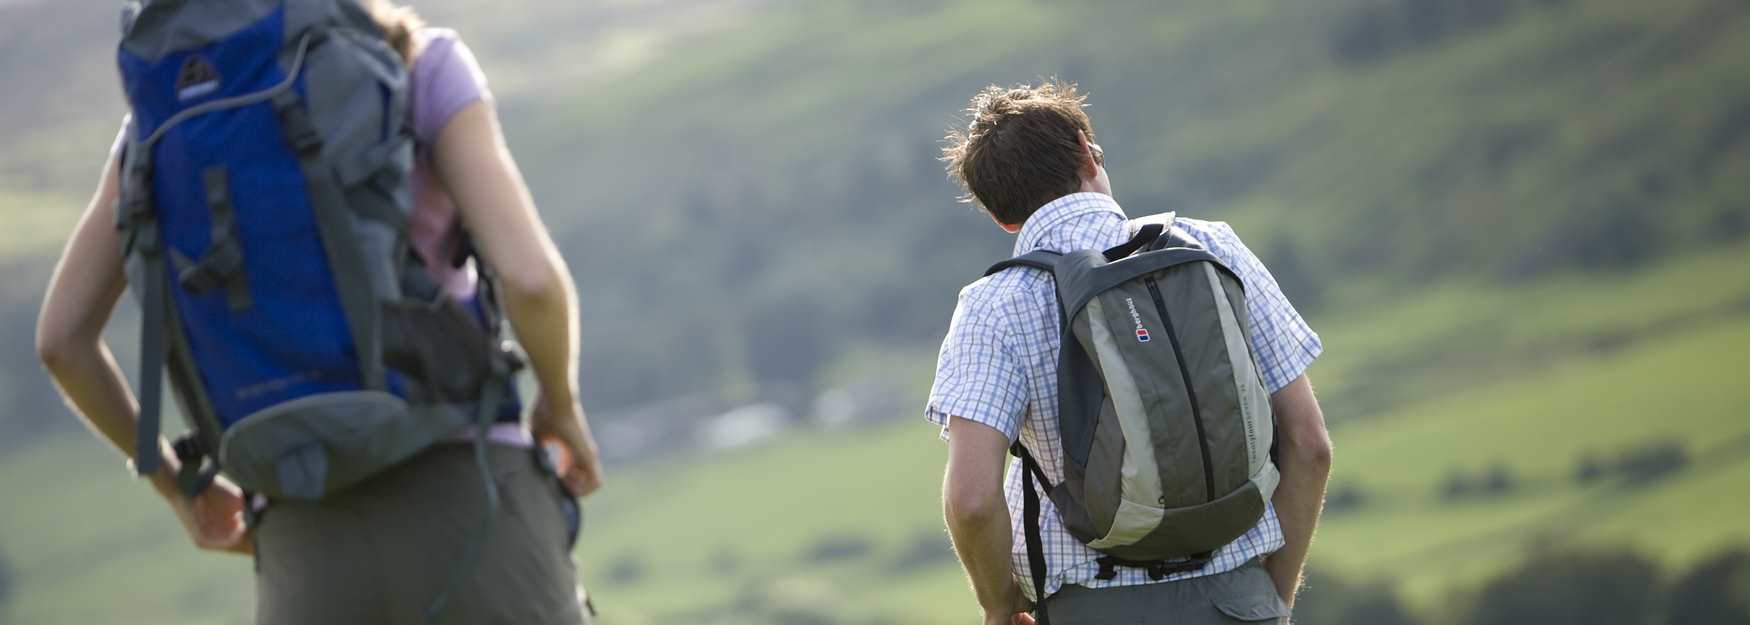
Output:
[[1458, 374], [1677, 381], [734, 531]]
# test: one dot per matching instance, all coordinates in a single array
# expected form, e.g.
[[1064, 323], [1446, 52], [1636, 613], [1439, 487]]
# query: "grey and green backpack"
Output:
[[1166, 424]]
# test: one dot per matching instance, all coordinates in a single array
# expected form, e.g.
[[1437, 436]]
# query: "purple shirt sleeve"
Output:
[[446, 78]]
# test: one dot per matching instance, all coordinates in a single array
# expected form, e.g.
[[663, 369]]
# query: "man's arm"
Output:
[[1305, 461], [978, 518]]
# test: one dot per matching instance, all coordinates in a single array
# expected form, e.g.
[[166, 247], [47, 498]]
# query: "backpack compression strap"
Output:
[[1030, 510]]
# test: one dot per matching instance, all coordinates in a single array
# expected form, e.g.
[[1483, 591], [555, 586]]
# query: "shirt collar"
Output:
[[1042, 230]]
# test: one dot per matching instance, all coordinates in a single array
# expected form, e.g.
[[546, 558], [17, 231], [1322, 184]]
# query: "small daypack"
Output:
[[264, 207], [1166, 424]]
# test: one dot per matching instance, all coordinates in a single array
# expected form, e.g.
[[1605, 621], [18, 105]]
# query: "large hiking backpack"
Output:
[[1166, 424], [264, 205]]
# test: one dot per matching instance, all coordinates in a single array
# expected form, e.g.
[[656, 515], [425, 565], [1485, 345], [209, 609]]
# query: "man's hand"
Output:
[[1018, 618], [214, 518], [1020, 614], [581, 466]]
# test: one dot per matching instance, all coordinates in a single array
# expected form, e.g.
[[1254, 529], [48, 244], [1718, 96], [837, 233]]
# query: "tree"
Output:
[[1331, 600], [1572, 587], [1716, 591]]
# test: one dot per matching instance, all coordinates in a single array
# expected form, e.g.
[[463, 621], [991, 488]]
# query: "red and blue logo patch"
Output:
[[1142, 335]]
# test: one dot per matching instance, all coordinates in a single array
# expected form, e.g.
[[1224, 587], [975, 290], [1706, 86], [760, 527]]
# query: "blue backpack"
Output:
[[264, 205]]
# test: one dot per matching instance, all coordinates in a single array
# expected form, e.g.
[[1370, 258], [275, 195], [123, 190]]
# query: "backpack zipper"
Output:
[[1190, 390]]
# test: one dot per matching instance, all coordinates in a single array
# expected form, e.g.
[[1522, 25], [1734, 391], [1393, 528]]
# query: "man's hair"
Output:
[[1020, 150]]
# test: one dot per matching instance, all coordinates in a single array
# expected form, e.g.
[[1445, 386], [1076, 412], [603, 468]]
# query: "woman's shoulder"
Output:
[[433, 41], [445, 78]]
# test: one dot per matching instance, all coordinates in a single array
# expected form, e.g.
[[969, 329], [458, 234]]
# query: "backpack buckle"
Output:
[[305, 141], [144, 237], [300, 132], [1108, 569]]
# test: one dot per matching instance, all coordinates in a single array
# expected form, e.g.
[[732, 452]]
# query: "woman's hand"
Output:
[[214, 518], [580, 467]]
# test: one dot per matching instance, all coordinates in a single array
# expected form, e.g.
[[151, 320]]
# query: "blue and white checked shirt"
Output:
[[998, 367]]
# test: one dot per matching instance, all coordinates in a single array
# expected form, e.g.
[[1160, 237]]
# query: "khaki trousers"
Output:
[[383, 551]]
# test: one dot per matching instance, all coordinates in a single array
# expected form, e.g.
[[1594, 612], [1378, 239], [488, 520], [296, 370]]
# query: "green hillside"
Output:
[[1675, 379], [779, 158], [1520, 226], [846, 524], [1543, 139]]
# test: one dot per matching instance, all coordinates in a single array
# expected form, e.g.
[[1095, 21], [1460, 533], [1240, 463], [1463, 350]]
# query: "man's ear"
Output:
[[1009, 228], [1090, 169]]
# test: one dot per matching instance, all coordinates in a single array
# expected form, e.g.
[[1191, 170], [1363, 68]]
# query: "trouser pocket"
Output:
[[569, 507], [1247, 594]]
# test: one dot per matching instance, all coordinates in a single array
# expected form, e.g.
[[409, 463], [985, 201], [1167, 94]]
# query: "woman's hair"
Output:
[[398, 24]]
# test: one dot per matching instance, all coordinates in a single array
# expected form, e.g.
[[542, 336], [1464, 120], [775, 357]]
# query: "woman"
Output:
[[382, 551]]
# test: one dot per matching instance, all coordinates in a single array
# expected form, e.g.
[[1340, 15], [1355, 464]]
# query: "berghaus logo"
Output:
[[1141, 332], [197, 78]]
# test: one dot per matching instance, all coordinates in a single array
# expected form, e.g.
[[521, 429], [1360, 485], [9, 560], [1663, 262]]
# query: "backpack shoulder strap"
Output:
[[1038, 259], [1146, 236], [1177, 237]]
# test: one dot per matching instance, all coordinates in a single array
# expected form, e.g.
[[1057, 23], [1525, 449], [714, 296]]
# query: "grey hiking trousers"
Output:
[[1243, 595], [380, 552]]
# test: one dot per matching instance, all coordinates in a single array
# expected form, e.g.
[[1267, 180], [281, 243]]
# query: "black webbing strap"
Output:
[[1030, 510], [196, 474], [1038, 259], [1157, 571], [1145, 236], [222, 262], [492, 395], [334, 222]]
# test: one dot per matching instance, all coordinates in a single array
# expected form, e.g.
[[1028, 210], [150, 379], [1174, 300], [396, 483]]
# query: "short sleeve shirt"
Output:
[[998, 367]]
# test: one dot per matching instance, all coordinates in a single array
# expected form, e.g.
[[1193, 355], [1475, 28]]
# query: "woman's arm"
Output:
[[86, 284], [539, 299], [69, 339]]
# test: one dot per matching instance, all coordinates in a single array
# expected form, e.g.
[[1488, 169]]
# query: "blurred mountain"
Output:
[[749, 191]]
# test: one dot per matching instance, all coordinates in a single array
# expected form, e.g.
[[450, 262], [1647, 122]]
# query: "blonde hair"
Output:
[[398, 24]]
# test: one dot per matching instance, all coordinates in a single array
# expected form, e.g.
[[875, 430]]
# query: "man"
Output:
[[1028, 159]]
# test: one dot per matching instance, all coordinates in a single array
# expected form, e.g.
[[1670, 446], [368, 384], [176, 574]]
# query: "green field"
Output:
[[1556, 397], [751, 533], [1520, 226]]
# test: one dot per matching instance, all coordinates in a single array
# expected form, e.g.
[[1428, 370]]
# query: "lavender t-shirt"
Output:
[[445, 80]]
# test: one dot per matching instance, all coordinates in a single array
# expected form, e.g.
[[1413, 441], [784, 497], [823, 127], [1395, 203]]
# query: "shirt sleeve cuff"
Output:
[[941, 412]]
